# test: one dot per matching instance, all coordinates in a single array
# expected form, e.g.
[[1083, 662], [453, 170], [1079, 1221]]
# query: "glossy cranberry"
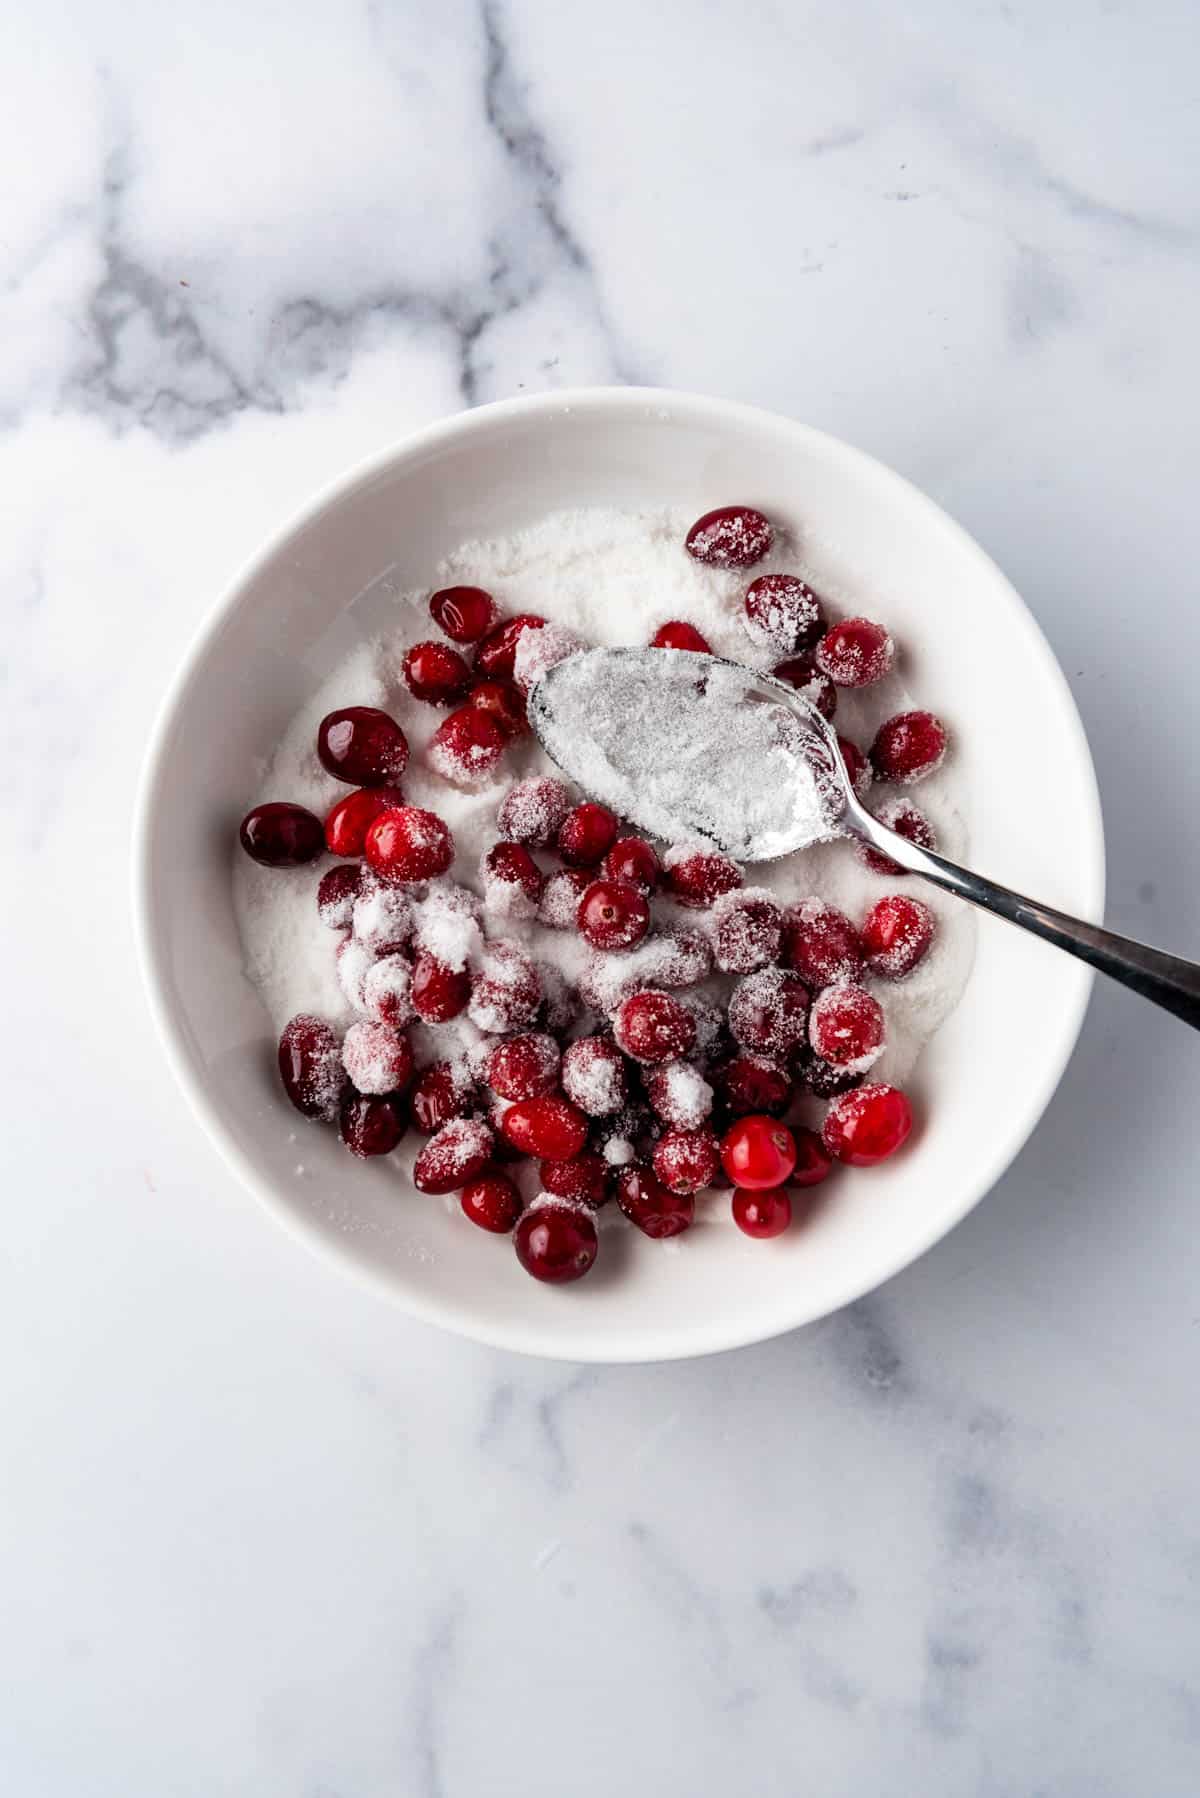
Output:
[[584, 1178], [512, 881], [633, 859], [653, 1027], [781, 612], [503, 702], [675, 634], [560, 897], [820, 1077], [362, 746], [813, 1162], [865, 1127], [279, 835], [749, 930], [855, 653], [436, 673], [498, 650], [466, 746], [857, 767], [687, 1160], [336, 895], [653, 1207], [904, 818], [456, 1153], [761, 1214], [310, 1066], [758, 1152], [532, 810], [846, 1027], [409, 844], [730, 537], [802, 673], [768, 1011], [593, 1075], [439, 992], [464, 613], [523, 1067], [698, 877], [506, 992], [377, 1058], [442, 1092], [821, 944], [348, 822], [555, 1241], [908, 746], [549, 1127], [491, 1201], [751, 1083], [586, 835], [680, 1095], [371, 1123], [613, 914]]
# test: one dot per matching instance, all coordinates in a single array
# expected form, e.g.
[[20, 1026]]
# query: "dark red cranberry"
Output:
[[436, 673], [855, 653], [613, 914], [362, 746], [512, 880], [491, 1201], [279, 835], [586, 835], [458, 1152], [783, 613], [583, 1177], [336, 894], [653, 1207], [802, 673], [675, 634], [698, 877], [768, 1011], [532, 810], [762, 1214], [730, 537], [498, 650], [524, 1067], [310, 1066], [813, 1161], [466, 746], [442, 1092], [653, 1027], [555, 1241], [821, 944], [846, 1027], [857, 767], [634, 859], [503, 702], [371, 1123], [438, 992], [348, 822], [409, 844], [748, 933], [821, 1078], [896, 934], [593, 1076], [909, 746], [758, 1152], [751, 1083], [551, 1128], [904, 818], [377, 1058], [506, 992], [687, 1160], [865, 1127], [464, 613]]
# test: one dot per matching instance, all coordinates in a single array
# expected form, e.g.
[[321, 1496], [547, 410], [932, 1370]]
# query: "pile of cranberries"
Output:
[[704, 1009]]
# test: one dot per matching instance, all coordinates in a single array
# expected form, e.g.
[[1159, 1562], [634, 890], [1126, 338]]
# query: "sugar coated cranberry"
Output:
[[802, 673], [354, 963], [709, 1020], [781, 612], [371, 1123], [593, 1076], [768, 1011], [633, 858], [439, 992], [584, 1178], [586, 835], [904, 818], [761, 1214], [310, 1066], [813, 1161], [348, 821], [464, 613], [821, 944], [866, 1126], [698, 877], [377, 1058], [409, 844], [387, 993], [362, 746], [908, 746], [336, 895], [652, 1027], [539, 651], [896, 933], [653, 1207], [680, 1095], [466, 746], [435, 673], [507, 991], [491, 1201], [279, 835], [749, 930], [820, 1077], [532, 810], [444, 1091], [857, 767], [560, 897], [456, 1153], [512, 881], [750, 1083], [497, 652], [524, 1066], [613, 914], [382, 917], [675, 634], [503, 702], [758, 1152], [555, 1241], [730, 537], [855, 652], [846, 1027], [549, 1127], [687, 1160]]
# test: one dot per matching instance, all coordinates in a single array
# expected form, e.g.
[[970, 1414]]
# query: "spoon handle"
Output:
[[1168, 980]]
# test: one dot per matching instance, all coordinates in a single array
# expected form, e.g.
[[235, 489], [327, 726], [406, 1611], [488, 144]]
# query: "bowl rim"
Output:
[[527, 1336]]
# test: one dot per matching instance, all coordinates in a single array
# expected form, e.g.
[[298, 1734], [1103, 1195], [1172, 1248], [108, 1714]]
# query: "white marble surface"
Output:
[[258, 1533]]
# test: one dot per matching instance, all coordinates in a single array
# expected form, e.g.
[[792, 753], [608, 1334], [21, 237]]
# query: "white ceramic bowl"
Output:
[[1024, 767]]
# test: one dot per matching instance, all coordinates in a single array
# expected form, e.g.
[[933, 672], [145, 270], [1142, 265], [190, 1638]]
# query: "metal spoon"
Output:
[[569, 702]]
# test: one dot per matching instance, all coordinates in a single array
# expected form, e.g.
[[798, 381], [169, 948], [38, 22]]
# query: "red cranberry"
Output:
[[348, 822], [855, 653], [675, 634], [501, 701], [846, 1027], [532, 810], [653, 1027], [435, 673], [387, 992], [687, 1160], [582, 1177], [593, 1076], [802, 673], [377, 1058], [498, 651], [362, 746], [442, 1092], [310, 1066], [865, 1127], [336, 895], [464, 613], [439, 992], [904, 818], [371, 1123], [821, 944], [820, 1077], [512, 881], [909, 746], [698, 877], [768, 1011], [751, 1083], [857, 767], [409, 844], [456, 1153], [730, 537], [653, 1207], [633, 859], [549, 1127], [507, 991], [813, 1161], [782, 613], [680, 1095], [613, 914], [762, 1214], [560, 897], [491, 1201], [555, 1241], [749, 930], [279, 835], [523, 1067], [466, 746], [586, 835], [896, 934], [757, 1152]]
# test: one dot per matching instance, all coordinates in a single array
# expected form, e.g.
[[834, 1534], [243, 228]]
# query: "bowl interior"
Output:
[[973, 650]]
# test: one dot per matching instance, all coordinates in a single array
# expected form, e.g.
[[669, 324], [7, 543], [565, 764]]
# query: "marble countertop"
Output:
[[262, 1535]]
